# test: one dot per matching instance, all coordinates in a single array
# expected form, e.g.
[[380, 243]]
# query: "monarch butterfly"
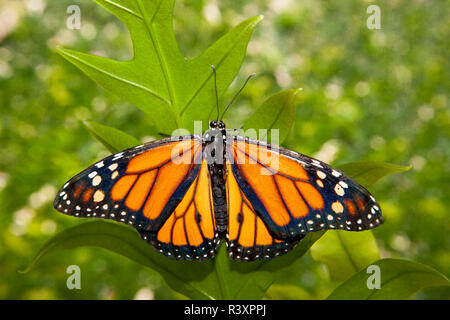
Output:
[[185, 194]]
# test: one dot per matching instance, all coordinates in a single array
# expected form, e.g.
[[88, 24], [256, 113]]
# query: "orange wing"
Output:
[[189, 232], [294, 194], [140, 186], [248, 237]]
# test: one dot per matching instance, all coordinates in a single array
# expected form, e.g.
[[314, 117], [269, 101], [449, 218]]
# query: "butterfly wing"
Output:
[[294, 194], [140, 186], [248, 237], [189, 232]]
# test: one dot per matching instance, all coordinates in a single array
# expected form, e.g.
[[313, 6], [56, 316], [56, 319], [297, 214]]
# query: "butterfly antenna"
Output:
[[215, 88], [235, 96]]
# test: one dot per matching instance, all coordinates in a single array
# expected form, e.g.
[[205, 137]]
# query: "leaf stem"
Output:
[[220, 270]]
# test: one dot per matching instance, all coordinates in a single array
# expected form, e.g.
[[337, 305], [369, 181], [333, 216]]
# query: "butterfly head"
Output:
[[217, 125]]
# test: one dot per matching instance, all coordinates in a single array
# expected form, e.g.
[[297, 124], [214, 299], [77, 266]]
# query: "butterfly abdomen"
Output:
[[214, 143], [217, 174]]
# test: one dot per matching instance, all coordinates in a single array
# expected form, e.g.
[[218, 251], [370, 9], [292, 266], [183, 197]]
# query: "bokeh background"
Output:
[[367, 95]]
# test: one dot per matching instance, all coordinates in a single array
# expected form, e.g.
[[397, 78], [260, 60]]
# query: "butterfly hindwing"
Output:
[[189, 232], [139, 186], [295, 194], [248, 237]]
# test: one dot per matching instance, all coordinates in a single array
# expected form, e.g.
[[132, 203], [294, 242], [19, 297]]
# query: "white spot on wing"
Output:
[[316, 163], [337, 207], [336, 174], [98, 196], [343, 184], [118, 156], [339, 191], [92, 174], [321, 174], [96, 181], [100, 164], [114, 174]]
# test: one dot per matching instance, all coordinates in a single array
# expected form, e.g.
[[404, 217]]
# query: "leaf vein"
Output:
[[217, 66], [123, 8], [116, 77]]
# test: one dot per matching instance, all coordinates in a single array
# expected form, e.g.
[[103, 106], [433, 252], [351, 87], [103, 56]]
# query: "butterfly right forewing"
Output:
[[295, 194]]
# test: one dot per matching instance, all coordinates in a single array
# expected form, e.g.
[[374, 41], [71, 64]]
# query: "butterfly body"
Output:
[[214, 142], [184, 195]]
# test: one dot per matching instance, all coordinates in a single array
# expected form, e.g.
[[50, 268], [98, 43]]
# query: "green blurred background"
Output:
[[367, 95]]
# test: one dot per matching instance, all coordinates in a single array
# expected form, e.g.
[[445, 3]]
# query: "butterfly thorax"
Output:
[[214, 141]]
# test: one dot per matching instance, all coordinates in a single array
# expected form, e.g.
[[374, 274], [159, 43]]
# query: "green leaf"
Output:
[[400, 279], [193, 279], [220, 278], [159, 80], [251, 280], [287, 292], [113, 139], [345, 253], [369, 172], [227, 55], [277, 112]]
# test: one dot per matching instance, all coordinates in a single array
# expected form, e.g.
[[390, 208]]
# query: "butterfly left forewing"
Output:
[[295, 194], [139, 186]]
